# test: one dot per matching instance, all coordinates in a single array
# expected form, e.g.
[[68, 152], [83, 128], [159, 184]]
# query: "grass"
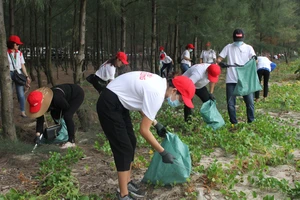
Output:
[[251, 150]]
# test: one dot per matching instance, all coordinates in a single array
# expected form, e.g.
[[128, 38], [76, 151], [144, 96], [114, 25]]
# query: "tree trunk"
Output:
[[36, 56], [144, 45], [97, 36], [7, 111], [81, 56], [11, 17], [74, 38], [154, 66], [123, 26]]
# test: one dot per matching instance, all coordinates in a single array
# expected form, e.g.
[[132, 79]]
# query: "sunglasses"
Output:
[[17, 44]]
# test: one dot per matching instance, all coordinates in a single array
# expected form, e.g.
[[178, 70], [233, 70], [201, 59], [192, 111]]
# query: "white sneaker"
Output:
[[68, 145]]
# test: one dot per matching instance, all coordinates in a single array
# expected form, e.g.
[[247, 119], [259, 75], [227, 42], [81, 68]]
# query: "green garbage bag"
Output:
[[248, 81], [211, 115], [62, 135], [170, 173]]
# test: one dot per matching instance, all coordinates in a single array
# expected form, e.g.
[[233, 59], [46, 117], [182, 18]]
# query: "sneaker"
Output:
[[127, 197], [134, 190], [68, 145]]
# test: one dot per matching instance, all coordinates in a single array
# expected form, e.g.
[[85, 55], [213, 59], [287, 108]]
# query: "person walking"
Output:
[[62, 101], [201, 75], [16, 62], [208, 55], [263, 71], [167, 63], [144, 92], [186, 58], [239, 53], [107, 71]]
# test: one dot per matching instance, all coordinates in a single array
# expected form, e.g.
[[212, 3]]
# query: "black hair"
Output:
[[112, 61], [170, 84], [10, 44]]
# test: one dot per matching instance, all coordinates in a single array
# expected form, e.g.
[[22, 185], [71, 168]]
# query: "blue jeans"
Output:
[[184, 67], [20, 94], [231, 101]]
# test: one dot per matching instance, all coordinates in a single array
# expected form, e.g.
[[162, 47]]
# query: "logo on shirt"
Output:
[[144, 75]]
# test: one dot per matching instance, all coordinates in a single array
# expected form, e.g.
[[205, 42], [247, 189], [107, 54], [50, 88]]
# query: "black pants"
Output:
[[266, 74], [117, 126], [203, 94], [169, 69], [97, 82]]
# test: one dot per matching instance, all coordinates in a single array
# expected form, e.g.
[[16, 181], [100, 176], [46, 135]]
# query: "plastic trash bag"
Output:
[[211, 115], [248, 81], [178, 172]]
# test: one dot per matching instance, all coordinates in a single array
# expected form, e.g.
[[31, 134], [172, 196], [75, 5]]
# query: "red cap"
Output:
[[190, 46], [186, 88], [122, 56], [208, 44], [161, 48], [162, 56], [213, 72], [15, 39], [35, 101]]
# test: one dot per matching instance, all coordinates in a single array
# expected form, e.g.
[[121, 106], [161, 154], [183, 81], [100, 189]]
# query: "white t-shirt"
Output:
[[140, 91], [186, 54], [239, 55], [18, 61], [167, 58], [263, 63], [197, 73], [106, 71], [208, 56]]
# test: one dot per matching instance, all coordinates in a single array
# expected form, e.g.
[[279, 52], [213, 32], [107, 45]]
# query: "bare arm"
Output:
[[25, 73], [211, 87], [219, 59], [146, 133]]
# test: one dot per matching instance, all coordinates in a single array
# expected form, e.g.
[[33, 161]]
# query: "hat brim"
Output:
[[47, 98], [188, 102], [124, 61], [212, 79], [238, 39]]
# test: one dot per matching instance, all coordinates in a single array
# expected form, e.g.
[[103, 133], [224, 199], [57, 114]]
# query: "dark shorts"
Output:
[[117, 126]]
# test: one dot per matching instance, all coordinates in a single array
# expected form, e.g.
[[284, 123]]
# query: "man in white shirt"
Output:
[[239, 53], [201, 75], [208, 55], [143, 92]]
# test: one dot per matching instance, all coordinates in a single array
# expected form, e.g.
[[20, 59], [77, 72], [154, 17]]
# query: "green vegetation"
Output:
[[252, 150]]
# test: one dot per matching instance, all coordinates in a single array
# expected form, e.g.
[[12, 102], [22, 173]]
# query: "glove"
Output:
[[160, 130], [211, 96], [223, 65], [167, 157]]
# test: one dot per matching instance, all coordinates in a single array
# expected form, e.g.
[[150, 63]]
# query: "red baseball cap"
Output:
[[35, 101], [208, 44], [161, 48], [162, 56], [186, 88], [190, 46], [38, 102], [123, 57], [213, 72], [15, 39]]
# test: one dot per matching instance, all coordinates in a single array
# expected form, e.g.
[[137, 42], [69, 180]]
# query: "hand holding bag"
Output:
[[17, 77]]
